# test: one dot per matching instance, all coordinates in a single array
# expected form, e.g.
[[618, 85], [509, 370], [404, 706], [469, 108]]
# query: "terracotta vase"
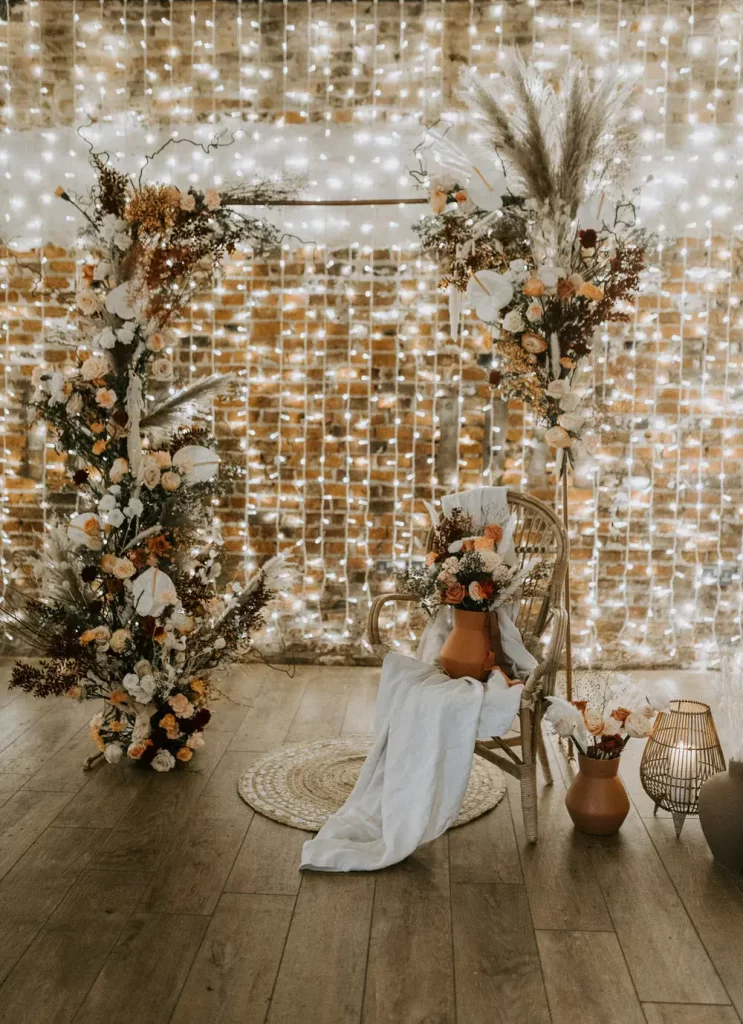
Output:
[[468, 650], [721, 816], [597, 800]]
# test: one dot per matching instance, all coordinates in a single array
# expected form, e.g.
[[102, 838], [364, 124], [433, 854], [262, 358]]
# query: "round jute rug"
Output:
[[304, 784]]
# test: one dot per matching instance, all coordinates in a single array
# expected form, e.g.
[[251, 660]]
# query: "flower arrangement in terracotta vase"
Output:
[[624, 709], [464, 571]]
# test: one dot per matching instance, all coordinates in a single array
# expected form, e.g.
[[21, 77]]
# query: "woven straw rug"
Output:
[[303, 785]]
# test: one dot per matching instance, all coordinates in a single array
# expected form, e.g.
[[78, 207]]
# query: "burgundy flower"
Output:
[[80, 477], [495, 378], [89, 573], [588, 238]]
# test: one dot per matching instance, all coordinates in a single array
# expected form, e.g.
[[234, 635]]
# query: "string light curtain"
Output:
[[354, 405]]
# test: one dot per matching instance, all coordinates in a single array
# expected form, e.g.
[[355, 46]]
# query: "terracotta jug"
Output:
[[468, 650], [597, 800], [721, 816]]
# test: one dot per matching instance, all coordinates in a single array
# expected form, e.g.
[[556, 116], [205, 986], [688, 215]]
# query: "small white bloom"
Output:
[[219, 643], [567, 720], [105, 339], [117, 301], [141, 688], [113, 753], [558, 388], [569, 402], [549, 276], [116, 517], [125, 334], [122, 240], [107, 503], [134, 508], [519, 268], [163, 761], [102, 270]]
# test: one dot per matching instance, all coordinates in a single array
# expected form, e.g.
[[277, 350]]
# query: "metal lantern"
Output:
[[682, 752]]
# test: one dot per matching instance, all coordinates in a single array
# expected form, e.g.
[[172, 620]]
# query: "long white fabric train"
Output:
[[411, 786]]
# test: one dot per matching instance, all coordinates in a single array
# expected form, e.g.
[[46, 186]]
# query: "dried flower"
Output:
[[533, 287], [591, 291], [106, 398], [118, 470], [533, 343], [87, 302]]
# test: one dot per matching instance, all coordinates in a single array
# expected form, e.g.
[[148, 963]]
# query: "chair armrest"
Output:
[[375, 638], [551, 660]]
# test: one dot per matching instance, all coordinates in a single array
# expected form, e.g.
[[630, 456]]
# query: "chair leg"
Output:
[[543, 759], [529, 801]]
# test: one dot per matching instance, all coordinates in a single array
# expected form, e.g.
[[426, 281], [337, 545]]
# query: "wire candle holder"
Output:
[[683, 751]]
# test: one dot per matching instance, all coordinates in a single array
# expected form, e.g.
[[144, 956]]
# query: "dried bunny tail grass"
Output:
[[594, 133], [523, 137]]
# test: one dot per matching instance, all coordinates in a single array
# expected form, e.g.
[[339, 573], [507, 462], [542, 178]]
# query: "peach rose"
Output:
[[195, 740], [87, 302], [184, 754], [181, 705], [170, 481], [533, 287], [118, 470], [119, 639], [188, 202], [212, 199], [621, 714], [198, 686], [108, 563], [438, 200], [468, 544], [124, 569], [99, 447], [484, 544], [533, 343], [558, 437], [431, 558], [162, 459], [136, 750], [97, 427], [494, 532], [594, 722], [454, 594], [118, 697], [157, 341], [590, 291], [106, 398], [476, 592], [97, 635]]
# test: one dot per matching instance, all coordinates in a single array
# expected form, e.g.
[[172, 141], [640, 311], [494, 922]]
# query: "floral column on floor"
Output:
[[132, 609]]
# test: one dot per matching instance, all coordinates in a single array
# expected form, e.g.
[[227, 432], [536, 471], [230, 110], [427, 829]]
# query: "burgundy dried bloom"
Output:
[[80, 476], [89, 573], [495, 378], [588, 238]]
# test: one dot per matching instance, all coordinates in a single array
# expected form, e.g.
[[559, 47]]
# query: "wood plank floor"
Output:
[[127, 895]]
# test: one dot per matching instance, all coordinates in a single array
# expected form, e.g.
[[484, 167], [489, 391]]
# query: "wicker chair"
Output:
[[539, 535]]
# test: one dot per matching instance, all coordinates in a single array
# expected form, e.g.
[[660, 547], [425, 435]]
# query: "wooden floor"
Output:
[[127, 896]]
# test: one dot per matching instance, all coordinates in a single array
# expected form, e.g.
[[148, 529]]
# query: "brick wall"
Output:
[[355, 406]]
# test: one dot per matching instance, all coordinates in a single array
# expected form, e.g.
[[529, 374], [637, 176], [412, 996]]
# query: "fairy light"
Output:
[[364, 510]]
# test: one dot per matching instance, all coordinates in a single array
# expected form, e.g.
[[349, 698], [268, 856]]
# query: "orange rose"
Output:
[[159, 545], [590, 291], [99, 447], [168, 722], [115, 726], [136, 750], [565, 288], [118, 697], [97, 428], [108, 563], [493, 531], [184, 754], [533, 287], [621, 714], [454, 594], [91, 527], [198, 686], [468, 544], [96, 738], [431, 558], [567, 364], [484, 543]]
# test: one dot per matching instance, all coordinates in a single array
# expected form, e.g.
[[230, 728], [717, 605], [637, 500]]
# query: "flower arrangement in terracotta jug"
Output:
[[131, 607], [542, 243], [622, 709], [464, 571]]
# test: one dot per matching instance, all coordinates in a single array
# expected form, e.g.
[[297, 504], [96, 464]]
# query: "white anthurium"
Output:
[[152, 592], [196, 463], [472, 170], [117, 302], [76, 528], [489, 292]]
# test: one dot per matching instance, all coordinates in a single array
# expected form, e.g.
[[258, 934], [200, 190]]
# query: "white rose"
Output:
[[611, 726], [122, 240], [113, 753], [94, 367], [102, 270], [558, 388], [534, 312], [513, 321], [569, 402], [594, 721], [569, 421], [490, 560], [170, 481], [150, 474], [163, 761], [161, 369], [195, 740], [87, 302], [638, 725]]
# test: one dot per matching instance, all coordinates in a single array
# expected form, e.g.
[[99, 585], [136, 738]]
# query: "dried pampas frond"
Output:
[[558, 148], [169, 414], [522, 137]]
